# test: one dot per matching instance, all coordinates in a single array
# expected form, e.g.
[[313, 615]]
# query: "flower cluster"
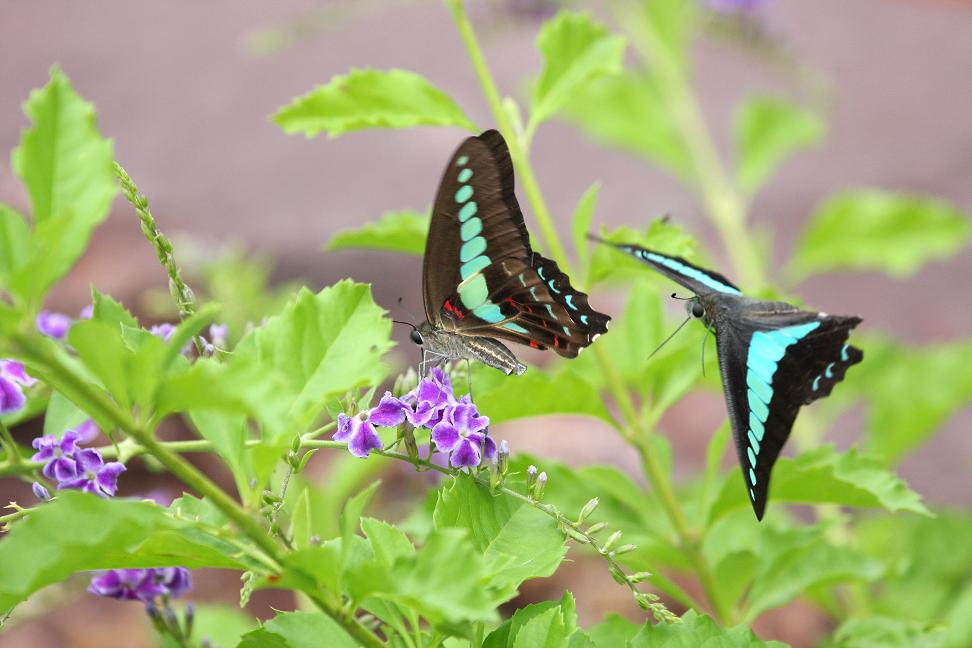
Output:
[[457, 428], [71, 466], [56, 325], [13, 379], [142, 584]]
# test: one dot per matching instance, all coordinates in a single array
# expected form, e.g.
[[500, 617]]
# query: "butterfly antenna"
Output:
[[675, 296], [405, 323], [668, 338]]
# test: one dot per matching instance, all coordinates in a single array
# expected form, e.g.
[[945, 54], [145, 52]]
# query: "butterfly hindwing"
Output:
[[772, 363], [481, 276], [699, 280]]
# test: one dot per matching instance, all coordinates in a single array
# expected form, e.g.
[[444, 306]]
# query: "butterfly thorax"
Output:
[[722, 307], [443, 344]]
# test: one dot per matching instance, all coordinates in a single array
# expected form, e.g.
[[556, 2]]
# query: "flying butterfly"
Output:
[[773, 358], [482, 283]]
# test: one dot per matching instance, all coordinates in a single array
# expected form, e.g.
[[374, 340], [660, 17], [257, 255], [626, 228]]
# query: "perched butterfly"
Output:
[[773, 358], [482, 282]]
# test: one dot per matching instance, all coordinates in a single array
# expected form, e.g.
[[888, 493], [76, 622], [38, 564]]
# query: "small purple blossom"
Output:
[[390, 412], [87, 312], [13, 379], [431, 398], [359, 433], [40, 491], [141, 584], [462, 432], [164, 331], [93, 474], [57, 455], [53, 325]]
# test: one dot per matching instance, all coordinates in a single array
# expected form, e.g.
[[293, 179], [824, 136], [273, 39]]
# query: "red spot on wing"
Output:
[[448, 305], [556, 342], [534, 344]]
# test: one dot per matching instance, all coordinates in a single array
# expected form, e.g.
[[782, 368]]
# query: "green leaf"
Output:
[[66, 167], [884, 632], [106, 309], [320, 347], [62, 414], [536, 394], [912, 392], [351, 517], [227, 432], [517, 541], [613, 631], [548, 624], [388, 542], [14, 242], [401, 231], [299, 630], [371, 99], [580, 226], [767, 130], [881, 231], [104, 534], [221, 625], [575, 49], [626, 111], [697, 630], [824, 476], [671, 22]]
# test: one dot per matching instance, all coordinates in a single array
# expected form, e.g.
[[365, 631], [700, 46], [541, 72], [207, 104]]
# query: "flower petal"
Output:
[[390, 412], [489, 449], [445, 436], [61, 469], [11, 396], [343, 428], [89, 459], [16, 372], [423, 415], [108, 477], [53, 325], [364, 439], [466, 454]]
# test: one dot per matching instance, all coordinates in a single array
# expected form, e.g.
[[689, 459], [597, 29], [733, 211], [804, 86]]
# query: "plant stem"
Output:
[[13, 452], [725, 205], [518, 151]]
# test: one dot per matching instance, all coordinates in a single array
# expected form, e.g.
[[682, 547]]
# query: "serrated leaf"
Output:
[[767, 130], [105, 534], [575, 49], [351, 516], [545, 630], [400, 231], [299, 630], [517, 541], [880, 231], [14, 242], [387, 541], [697, 630], [320, 347], [824, 476], [614, 630], [371, 99], [65, 166], [106, 309], [536, 394], [884, 632], [627, 112]]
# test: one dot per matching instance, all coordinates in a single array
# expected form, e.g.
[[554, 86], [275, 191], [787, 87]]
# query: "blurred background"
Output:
[[185, 90]]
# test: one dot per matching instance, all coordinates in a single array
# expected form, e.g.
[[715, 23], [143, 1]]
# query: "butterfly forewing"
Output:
[[771, 365], [480, 275]]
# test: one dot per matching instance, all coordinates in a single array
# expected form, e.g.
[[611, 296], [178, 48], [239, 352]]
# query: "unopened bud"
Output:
[[503, 457], [41, 492], [587, 510], [623, 549], [531, 475], [539, 486], [618, 575], [612, 540], [637, 577], [577, 536], [190, 618], [596, 528]]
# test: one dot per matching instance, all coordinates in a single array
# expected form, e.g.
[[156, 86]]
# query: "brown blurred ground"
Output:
[[188, 111]]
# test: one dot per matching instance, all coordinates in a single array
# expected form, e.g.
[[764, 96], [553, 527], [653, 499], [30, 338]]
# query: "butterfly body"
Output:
[[773, 358], [482, 282]]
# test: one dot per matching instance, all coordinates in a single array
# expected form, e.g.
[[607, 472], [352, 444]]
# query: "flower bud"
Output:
[[612, 540], [596, 528], [539, 486], [189, 619], [531, 475], [41, 492], [637, 577], [587, 510], [626, 548], [503, 457]]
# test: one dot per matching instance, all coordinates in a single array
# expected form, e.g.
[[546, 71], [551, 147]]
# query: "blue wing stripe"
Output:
[[688, 271]]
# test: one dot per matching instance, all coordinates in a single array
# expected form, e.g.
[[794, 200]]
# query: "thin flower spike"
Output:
[[13, 379], [57, 455], [359, 434], [53, 325], [93, 474]]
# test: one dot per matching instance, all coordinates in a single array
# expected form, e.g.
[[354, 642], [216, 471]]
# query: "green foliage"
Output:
[[298, 630], [902, 233], [537, 393], [575, 50], [696, 630], [400, 231], [65, 166], [371, 99], [767, 130], [548, 624], [104, 534]]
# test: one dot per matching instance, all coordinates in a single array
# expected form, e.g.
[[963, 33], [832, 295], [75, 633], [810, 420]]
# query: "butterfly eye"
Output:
[[416, 337], [697, 310]]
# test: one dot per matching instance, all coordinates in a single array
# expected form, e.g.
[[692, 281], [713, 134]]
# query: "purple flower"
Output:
[[57, 455], [390, 412], [53, 325], [431, 396], [141, 584], [462, 432], [359, 433], [87, 312], [164, 331], [40, 491], [93, 474], [12, 379]]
